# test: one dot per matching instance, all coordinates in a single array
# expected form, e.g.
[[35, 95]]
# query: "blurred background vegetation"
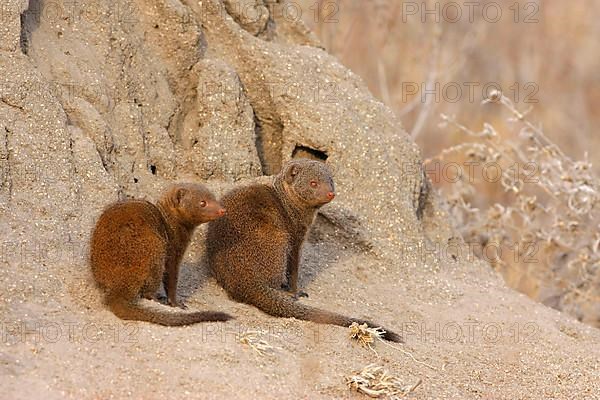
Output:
[[389, 49], [544, 57]]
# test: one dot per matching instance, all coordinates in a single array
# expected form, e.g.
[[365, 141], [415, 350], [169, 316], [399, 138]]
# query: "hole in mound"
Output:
[[308, 152], [153, 169]]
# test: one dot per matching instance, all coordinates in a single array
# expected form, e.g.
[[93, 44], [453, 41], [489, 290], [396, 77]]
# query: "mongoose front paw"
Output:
[[301, 293]]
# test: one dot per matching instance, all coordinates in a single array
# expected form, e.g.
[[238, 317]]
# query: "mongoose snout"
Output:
[[214, 210]]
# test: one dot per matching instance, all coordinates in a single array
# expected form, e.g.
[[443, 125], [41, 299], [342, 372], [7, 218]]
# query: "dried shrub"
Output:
[[375, 381], [542, 233], [364, 335]]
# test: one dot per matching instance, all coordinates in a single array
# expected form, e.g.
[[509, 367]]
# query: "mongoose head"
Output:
[[192, 203], [309, 181]]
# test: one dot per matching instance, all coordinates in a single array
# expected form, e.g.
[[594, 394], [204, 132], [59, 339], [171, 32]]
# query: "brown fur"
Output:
[[256, 247], [136, 243]]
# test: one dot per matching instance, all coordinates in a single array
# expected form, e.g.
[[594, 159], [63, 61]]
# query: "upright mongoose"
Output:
[[135, 243], [254, 250]]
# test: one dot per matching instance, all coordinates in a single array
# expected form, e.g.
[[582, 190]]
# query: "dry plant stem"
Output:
[[521, 117], [409, 354], [383, 84], [365, 337], [252, 339], [376, 382], [433, 74], [555, 213], [486, 134]]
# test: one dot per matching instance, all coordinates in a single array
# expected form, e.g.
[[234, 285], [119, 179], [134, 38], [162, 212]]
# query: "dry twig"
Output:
[[254, 341], [374, 381]]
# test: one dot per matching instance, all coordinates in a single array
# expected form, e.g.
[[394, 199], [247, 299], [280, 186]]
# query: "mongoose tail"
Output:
[[133, 310], [279, 304]]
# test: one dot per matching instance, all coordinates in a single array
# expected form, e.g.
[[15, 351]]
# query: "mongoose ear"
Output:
[[179, 193], [290, 173]]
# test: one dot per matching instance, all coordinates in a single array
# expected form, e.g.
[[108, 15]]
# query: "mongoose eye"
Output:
[[313, 184], [202, 203]]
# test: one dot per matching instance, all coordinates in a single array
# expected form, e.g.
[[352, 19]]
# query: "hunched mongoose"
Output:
[[255, 248], [136, 243]]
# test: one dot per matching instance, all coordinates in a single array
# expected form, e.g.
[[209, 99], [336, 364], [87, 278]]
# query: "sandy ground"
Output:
[[96, 107], [470, 338]]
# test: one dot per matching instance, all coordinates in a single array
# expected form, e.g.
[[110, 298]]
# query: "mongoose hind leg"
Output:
[[155, 269]]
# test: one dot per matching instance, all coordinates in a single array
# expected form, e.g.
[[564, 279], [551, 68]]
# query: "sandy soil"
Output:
[[120, 102]]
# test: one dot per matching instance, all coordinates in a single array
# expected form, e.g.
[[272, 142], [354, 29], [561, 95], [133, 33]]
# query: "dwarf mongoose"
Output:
[[136, 242], [254, 250]]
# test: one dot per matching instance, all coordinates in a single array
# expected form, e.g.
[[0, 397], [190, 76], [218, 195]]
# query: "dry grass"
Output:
[[364, 335], [388, 49], [542, 234], [253, 339], [375, 381]]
